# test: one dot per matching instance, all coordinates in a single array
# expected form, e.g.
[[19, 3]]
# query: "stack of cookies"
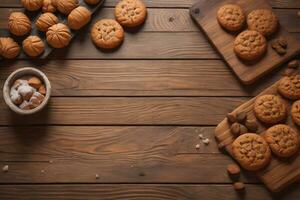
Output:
[[261, 24], [271, 127], [109, 33]]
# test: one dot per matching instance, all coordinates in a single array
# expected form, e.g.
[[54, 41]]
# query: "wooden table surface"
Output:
[[131, 116]]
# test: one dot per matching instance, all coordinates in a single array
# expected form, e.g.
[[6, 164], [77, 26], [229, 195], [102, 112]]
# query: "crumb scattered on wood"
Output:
[[97, 176], [200, 136], [5, 168], [206, 141], [197, 146]]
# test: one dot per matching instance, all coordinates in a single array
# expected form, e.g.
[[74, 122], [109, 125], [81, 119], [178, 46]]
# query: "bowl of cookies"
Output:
[[27, 91]]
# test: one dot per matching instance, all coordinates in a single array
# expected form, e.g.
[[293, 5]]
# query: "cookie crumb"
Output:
[[97, 176], [197, 146], [50, 161], [206, 141], [239, 186], [5, 168], [200, 136], [43, 171]]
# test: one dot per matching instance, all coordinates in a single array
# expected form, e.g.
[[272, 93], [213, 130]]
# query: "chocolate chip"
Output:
[[239, 186], [241, 117], [231, 117], [252, 125], [293, 64]]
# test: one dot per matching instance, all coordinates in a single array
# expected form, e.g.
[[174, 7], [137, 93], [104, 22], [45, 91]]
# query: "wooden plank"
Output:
[[127, 111], [140, 78], [138, 191], [173, 19], [170, 3]]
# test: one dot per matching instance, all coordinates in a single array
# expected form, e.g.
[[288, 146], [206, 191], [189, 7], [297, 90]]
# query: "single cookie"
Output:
[[19, 24], [58, 36], [283, 140], [250, 45], [263, 21], [251, 151], [231, 17], [33, 46], [295, 112], [270, 109], [289, 87], [107, 34], [130, 13]]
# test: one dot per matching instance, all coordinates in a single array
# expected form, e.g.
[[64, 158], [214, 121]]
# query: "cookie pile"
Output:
[[58, 35], [253, 150], [250, 44], [109, 33], [27, 93]]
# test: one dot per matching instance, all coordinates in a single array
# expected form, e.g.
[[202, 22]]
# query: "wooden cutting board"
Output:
[[204, 14], [280, 173]]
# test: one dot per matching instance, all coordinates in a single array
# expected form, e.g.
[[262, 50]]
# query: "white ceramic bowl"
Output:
[[19, 74]]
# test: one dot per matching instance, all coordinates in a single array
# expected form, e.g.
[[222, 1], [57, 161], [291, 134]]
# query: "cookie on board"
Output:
[[231, 17], [289, 87]]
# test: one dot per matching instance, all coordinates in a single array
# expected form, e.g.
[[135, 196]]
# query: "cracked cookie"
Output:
[[251, 151], [130, 13], [107, 34], [283, 140], [295, 112], [264, 21], [231, 17], [270, 109], [250, 45], [289, 87], [33, 46], [59, 35]]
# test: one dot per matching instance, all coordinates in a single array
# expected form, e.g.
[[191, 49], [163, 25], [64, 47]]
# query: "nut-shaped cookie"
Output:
[[283, 140], [263, 20], [289, 87], [130, 13], [58, 36], [45, 21], [9, 48], [32, 5], [18, 23], [250, 45], [251, 151], [66, 6], [79, 17], [33, 46], [295, 112], [270, 109], [92, 2], [231, 17], [48, 6], [107, 34]]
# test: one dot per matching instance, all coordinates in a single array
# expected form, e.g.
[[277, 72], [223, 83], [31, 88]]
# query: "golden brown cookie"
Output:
[[130, 13], [9, 49], [45, 21], [250, 45], [295, 112], [270, 109], [32, 5], [231, 17], [263, 20], [251, 151], [66, 6], [33, 46], [59, 35], [19, 24], [107, 34], [48, 6], [283, 140], [289, 87], [79, 17], [92, 2]]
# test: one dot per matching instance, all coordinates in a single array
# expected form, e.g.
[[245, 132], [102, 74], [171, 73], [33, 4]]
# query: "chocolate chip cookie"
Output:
[[107, 34], [231, 17], [251, 151], [270, 109], [283, 140], [295, 112], [250, 45], [130, 13], [264, 21], [289, 87]]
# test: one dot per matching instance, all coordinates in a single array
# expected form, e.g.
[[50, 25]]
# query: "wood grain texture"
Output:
[[139, 78], [140, 191], [204, 14], [171, 3], [127, 111]]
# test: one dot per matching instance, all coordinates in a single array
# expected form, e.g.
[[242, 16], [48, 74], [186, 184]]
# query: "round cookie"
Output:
[[66, 6], [19, 24], [231, 17], [251, 151], [250, 45], [33, 46], [79, 17], [32, 5], [270, 109], [295, 112], [45, 21], [289, 87], [263, 21], [283, 140], [107, 34], [9, 49], [130, 13], [58, 36]]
